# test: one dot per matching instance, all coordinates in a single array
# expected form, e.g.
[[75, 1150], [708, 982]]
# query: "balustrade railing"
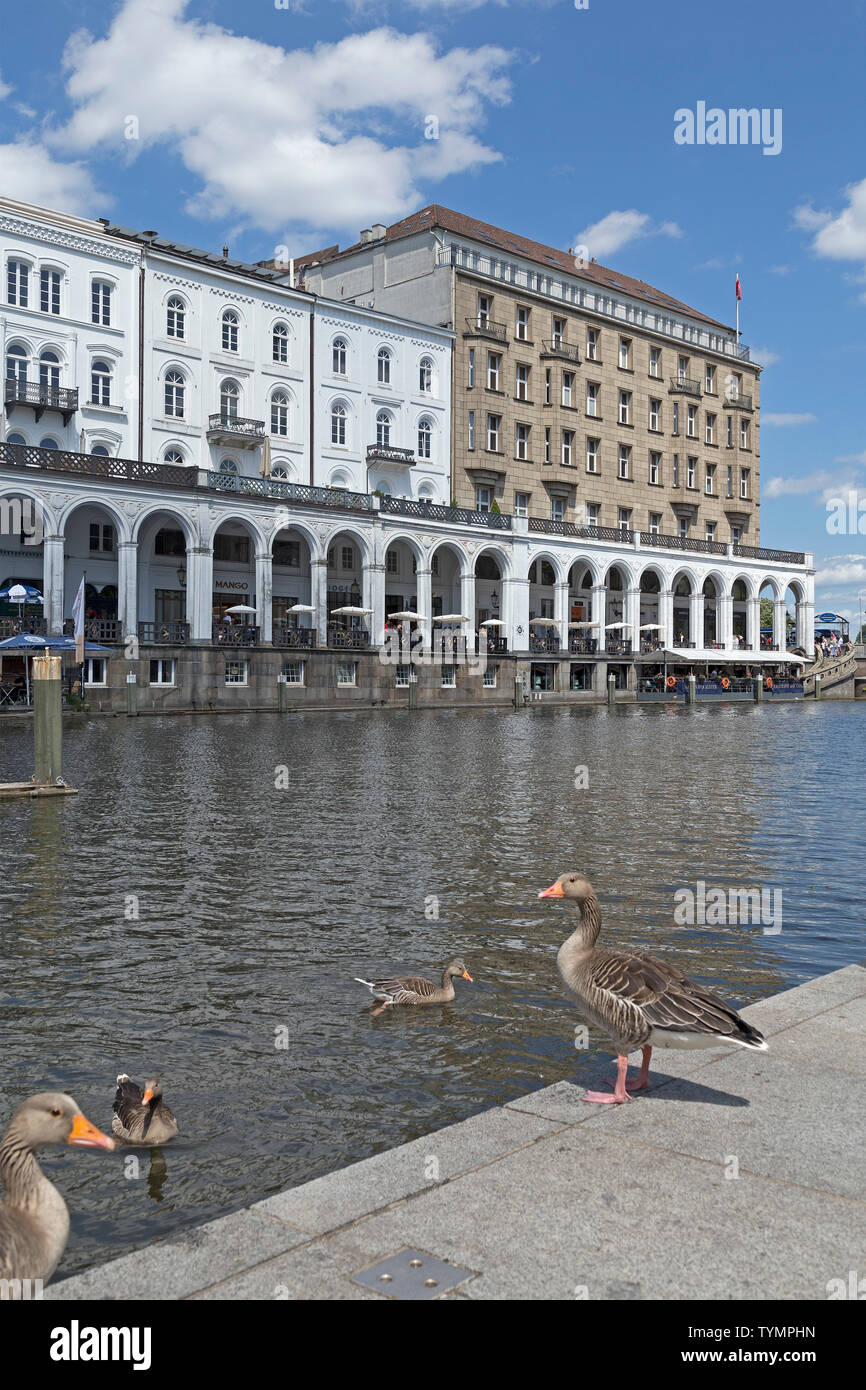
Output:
[[235, 635], [354, 637], [295, 637], [170, 632], [435, 511], [547, 643], [13, 627]]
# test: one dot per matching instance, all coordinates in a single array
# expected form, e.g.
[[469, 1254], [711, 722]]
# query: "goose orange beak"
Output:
[[84, 1135], [147, 1097], [467, 976], [554, 891]]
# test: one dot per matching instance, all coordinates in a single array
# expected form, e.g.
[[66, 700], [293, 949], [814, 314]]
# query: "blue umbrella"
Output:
[[21, 593], [27, 641]]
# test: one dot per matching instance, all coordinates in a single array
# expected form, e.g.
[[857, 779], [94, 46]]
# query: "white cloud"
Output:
[[29, 173], [781, 269], [771, 418], [764, 356], [328, 137], [840, 570], [821, 482], [840, 236], [5, 89], [617, 229], [851, 458]]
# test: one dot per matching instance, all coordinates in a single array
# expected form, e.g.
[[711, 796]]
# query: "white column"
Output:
[[52, 582], [467, 606], [696, 618], [806, 626], [780, 608], [560, 612], [666, 616], [516, 613], [199, 592], [127, 587], [373, 589], [424, 592], [725, 621], [599, 614], [264, 595], [319, 598], [753, 623], [631, 615]]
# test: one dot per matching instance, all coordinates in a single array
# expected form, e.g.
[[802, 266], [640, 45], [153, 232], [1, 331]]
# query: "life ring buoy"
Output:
[[671, 682], [725, 682], [768, 682]]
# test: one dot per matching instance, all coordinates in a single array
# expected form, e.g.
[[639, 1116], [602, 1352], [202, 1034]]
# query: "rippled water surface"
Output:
[[257, 906]]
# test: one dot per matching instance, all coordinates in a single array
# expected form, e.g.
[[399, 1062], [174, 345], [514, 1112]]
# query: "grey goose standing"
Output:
[[414, 989], [638, 1001], [34, 1219], [142, 1116]]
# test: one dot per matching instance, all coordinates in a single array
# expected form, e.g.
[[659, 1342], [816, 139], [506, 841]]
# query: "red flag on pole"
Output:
[[739, 291]]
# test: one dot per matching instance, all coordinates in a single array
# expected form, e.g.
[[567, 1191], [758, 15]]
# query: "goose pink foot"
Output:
[[620, 1093]]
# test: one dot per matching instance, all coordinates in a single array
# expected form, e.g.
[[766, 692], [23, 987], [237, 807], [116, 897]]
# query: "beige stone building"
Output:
[[579, 395]]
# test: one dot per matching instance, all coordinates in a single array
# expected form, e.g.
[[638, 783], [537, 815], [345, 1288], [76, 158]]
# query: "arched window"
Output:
[[384, 489], [175, 318], [384, 361], [228, 466], [16, 363], [175, 394], [100, 383], [48, 443], [338, 424], [280, 343], [425, 376], [425, 439], [229, 397], [339, 354], [425, 493], [340, 481], [280, 413], [230, 330], [15, 439], [280, 472], [173, 456], [49, 369], [100, 451], [383, 429]]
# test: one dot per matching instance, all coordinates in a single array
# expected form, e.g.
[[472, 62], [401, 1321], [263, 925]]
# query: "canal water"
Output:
[[219, 881]]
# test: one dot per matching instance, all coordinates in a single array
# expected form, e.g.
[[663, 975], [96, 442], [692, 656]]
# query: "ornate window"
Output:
[[339, 353], [18, 283], [173, 456], [425, 376], [49, 369], [175, 394], [229, 397], [338, 423], [100, 383], [230, 331], [384, 365], [175, 318], [280, 343], [383, 429], [100, 303], [16, 363], [280, 413], [49, 291], [425, 439]]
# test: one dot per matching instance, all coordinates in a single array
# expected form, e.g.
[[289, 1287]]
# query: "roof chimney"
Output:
[[378, 231], [366, 235], [225, 253]]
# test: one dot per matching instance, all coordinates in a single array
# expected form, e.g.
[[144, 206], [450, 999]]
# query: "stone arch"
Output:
[[121, 524], [554, 559]]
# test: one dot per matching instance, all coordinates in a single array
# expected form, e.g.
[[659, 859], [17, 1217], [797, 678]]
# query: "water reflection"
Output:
[[257, 907]]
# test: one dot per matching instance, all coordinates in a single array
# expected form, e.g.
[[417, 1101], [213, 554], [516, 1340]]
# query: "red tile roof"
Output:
[[446, 219]]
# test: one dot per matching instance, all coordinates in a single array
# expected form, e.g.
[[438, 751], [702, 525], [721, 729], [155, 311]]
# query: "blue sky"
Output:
[[265, 126]]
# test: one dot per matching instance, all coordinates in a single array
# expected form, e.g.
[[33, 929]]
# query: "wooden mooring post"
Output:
[[47, 735]]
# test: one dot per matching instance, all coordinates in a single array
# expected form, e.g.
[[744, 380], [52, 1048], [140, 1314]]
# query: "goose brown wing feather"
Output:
[[128, 1101], [664, 996], [403, 985]]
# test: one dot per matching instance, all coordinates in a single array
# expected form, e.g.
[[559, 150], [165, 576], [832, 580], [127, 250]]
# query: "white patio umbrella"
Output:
[[583, 624], [452, 618], [651, 627], [608, 627], [407, 617], [494, 622], [350, 612], [544, 622], [301, 608], [241, 608]]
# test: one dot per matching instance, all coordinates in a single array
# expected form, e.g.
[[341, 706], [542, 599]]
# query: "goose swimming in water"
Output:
[[142, 1117], [34, 1219], [414, 989], [640, 1002]]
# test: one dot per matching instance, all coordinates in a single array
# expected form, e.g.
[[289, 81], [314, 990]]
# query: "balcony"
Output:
[[558, 348], [169, 633], [435, 511], [740, 402], [544, 643], [617, 646], [384, 453], [12, 627], [235, 430], [296, 638], [582, 646], [41, 398], [353, 637], [496, 646], [485, 328], [685, 384], [235, 635], [691, 543]]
